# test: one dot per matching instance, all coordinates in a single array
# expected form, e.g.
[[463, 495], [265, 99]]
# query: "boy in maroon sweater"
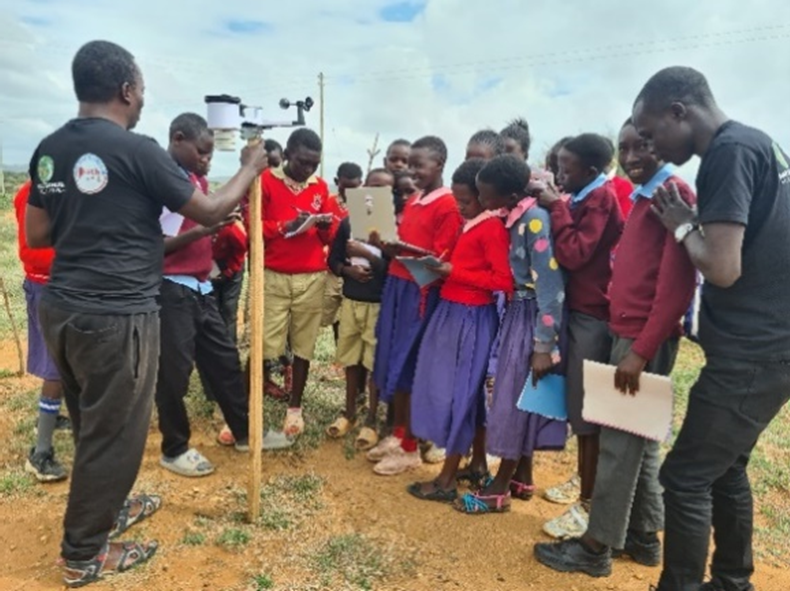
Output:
[[653, 281], [585, 229]]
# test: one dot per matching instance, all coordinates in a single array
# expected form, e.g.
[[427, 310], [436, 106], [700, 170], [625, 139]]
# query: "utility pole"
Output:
[[321, 128]]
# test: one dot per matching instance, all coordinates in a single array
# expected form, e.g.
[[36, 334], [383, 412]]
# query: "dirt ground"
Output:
[[328, 523]]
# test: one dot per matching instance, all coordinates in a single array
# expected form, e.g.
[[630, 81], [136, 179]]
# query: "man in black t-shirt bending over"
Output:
[[97, 195], [738, 239]]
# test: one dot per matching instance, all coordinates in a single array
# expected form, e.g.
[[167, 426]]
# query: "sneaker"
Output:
[[643, 548], [398, 462], [191, 464], [45, 467], [225, 437], [434, 454], [566, 493], [383, 449], [571, 556], [272, 441], [571, 524]]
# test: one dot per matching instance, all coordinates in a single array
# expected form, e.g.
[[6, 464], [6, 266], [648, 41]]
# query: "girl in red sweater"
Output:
[[431, 223], [448, 405]]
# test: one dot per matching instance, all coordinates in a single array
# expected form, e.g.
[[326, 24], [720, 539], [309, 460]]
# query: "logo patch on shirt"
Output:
[[784, 167], [45, 169], [317, 202], [90, 174]]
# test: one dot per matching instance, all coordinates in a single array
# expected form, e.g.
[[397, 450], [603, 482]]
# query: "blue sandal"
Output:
[[477, 504]]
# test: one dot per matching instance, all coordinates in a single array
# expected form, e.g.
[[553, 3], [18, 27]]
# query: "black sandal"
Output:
[[475, 480], [438, 494], [78, 573], [150, 505]]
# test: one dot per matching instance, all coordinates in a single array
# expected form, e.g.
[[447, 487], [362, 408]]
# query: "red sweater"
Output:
[[229, 248], [623, 188], [195, 258], [653, 279], [303, 253], [584, 237], [480, 264], [431, 222], [37, 262]]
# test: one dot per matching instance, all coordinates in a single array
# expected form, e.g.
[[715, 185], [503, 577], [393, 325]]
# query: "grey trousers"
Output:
[[627, 494], [108, 365]]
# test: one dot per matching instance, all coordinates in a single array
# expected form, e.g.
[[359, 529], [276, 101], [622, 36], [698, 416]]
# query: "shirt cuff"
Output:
[[543, 347]]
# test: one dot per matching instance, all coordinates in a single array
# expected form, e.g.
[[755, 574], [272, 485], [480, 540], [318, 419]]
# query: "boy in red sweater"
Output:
[[585, 230], [37, 263], [295, 263], [653, 281]]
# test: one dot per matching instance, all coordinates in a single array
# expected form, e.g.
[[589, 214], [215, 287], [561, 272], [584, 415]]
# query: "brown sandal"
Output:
[[116, 557], [340, 428], [367, 439]]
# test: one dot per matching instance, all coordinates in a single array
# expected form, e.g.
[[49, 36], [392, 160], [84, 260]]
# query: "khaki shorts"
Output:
[[333, 297], [356, 341], [292, 309]]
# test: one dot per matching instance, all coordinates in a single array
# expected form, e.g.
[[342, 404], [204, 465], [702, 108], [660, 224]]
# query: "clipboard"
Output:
[[648, 414], [371, 209]]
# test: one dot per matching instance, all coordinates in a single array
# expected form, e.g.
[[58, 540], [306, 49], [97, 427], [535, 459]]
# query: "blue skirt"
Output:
[[448, 400], [399, 333], [513, 433]]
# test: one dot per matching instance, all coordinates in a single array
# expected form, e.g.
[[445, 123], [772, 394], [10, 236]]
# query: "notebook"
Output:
[[647, 414], [371, 209], [547, 399], [420, 269], [309, 222]]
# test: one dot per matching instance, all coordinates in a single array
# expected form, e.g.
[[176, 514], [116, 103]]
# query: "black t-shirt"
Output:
[[354, 290], [744, 178], [103, 188]]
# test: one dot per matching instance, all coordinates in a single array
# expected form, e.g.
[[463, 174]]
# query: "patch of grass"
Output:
[[355, 561], [288, 500], [262, 582], [14, 482], [12, 274], [233, 538], [193, 539]]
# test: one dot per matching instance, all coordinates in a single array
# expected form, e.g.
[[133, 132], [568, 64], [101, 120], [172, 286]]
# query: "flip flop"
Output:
[[367, 439], [437, 494], [340, 428], [125, 520]]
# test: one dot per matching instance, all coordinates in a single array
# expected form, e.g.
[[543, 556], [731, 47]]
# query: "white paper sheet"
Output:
[[362, 261], [309, 222], [171, 222], [647, 414]]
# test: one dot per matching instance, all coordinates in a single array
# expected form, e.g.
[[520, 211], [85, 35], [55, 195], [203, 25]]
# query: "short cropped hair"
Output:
[[490, 138], [272, 146], [304, 138], [466, 174], [399, 142], [100, 69], [508, 174], [433, 144], [191, 125], [349, 170], [675, 84], [593, 150], [518, 130]]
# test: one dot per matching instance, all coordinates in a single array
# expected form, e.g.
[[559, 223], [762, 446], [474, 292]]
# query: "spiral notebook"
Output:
[[647, 414]]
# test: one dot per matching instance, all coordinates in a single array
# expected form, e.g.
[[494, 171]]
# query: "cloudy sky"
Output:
[[399, 68]]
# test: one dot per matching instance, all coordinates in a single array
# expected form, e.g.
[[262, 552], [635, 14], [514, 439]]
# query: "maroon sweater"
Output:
[[653, 279], [584, 236]]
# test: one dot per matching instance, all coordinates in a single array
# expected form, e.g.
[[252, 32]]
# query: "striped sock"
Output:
[[48, 410]]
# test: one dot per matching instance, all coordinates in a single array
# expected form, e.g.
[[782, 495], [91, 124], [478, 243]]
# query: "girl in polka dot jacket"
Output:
[[528, 338]]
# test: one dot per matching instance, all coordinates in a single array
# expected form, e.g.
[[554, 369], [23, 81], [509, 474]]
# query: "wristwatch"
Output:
[[683, 230]]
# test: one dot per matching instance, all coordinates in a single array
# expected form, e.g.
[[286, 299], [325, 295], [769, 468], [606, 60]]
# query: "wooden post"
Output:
[[256, 347], [14, 329]]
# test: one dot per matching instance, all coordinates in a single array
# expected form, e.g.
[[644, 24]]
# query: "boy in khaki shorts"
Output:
[[364, 270], [295, 263]]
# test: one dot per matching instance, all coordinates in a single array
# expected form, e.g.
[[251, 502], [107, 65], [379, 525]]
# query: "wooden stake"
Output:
[[373, 152], [256, 347], [14, 329]]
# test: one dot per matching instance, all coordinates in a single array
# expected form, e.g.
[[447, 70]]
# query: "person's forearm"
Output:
[[175, 243], [711, 264]]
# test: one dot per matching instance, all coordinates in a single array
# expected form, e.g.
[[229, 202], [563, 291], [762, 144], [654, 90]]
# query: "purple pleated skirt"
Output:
[[399, 332], [513, 433], [448, 400], [501, 305]]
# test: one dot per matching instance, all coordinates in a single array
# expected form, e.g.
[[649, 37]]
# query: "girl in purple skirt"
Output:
[[447, 404], [527, 340]]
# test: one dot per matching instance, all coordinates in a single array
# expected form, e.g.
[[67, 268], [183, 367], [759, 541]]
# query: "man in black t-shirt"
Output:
[[737, 238], [97, 195]]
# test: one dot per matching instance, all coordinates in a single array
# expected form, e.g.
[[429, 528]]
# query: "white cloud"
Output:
[[568, 67]]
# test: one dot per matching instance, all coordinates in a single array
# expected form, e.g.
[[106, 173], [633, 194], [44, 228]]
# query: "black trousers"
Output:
[[704, 476], [108, 367], [193, 333]]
